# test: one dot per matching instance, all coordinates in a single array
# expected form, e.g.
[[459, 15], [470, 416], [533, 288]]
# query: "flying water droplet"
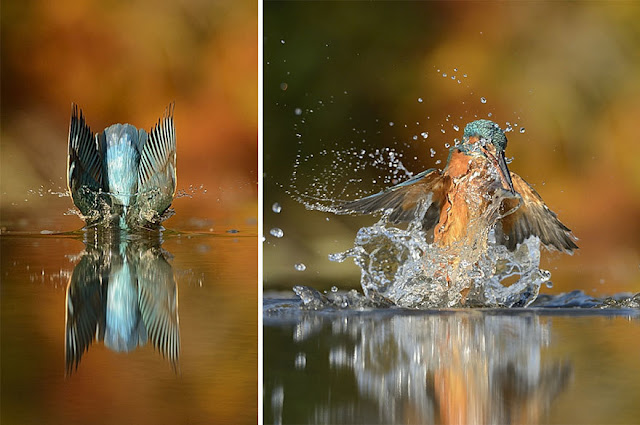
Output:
[[419, 100], [456, 128], [276, 208], [424, 134], [298, 111], [301, 361], [300, 267], [432, 152], [522, 130], [277, 232], [483, 100]]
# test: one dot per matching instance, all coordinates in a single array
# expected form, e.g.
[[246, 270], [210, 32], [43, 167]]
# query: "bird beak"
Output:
[[500, 163], [504, 172]]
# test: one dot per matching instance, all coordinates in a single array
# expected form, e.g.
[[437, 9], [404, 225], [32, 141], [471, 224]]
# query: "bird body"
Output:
[[475, 191], [123, 175]]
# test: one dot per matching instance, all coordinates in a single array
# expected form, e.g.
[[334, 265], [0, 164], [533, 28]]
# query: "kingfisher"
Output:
[[475, 186], [122, 176]]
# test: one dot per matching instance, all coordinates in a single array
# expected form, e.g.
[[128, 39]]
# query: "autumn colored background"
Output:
[[125, 62], [369, 75]]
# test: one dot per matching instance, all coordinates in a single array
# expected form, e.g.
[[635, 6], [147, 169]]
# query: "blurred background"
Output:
[[125, 62], [404, 78]]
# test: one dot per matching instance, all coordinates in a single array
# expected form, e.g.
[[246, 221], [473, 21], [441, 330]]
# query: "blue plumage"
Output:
[[122, 176]]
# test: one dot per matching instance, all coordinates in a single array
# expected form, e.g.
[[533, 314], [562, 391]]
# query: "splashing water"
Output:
[[401, 266]]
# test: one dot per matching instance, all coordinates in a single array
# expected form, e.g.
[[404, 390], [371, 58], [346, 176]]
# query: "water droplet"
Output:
[[432, 152], [549, 284], [483, 100], [442, 130], [283, 86], [438, 162], [281, 41], [334, 289], [522, 130], [456, 128], [447, 145], [277, 232], [300, 267], [298, 111], [444, 74], [489, 114], [420, 100], [276, 208], [301, 361], [424, 134], [391, 124]]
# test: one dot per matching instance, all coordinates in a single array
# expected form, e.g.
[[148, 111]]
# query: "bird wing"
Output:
[[84, 164], [404, 198], [158, 301], [85, 310], [157, 172], [531, 216]]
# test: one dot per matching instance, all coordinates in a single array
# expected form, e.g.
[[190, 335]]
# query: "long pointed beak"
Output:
[[504, 172], [501, 164]]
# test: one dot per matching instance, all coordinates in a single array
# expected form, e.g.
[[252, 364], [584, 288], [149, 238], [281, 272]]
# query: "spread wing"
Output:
[[85, 316], [404, 198], [158, 300], [84, 166], [532, 217], [157, 172]]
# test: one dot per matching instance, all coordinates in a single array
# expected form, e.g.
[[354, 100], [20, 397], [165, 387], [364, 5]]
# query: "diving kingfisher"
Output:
[[122, 176], [475, 175]]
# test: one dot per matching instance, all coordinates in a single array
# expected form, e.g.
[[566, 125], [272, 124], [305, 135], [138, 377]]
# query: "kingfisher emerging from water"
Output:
[[475, 187], [122, 176]]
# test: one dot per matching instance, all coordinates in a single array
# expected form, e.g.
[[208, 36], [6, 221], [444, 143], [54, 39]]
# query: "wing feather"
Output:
[[404, 198], [531, 216], [84, 163], [157, 172]]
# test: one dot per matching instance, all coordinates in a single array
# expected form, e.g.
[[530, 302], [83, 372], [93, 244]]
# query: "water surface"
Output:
[[203, 370], [390, 365]]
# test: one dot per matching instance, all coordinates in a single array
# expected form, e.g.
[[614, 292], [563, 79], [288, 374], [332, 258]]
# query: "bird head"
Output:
[[487, 137]]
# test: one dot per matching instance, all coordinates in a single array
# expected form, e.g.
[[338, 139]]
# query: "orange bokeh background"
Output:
[[125, 62]]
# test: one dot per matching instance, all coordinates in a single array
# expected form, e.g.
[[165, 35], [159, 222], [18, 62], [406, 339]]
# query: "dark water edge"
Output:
[[574, 302], [550, 363]]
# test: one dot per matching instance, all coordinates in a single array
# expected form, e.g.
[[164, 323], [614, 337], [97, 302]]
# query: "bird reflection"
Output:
[[122, 292], [445, 368]]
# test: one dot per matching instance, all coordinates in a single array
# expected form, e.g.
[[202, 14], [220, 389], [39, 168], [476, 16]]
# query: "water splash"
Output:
[[402, 267]]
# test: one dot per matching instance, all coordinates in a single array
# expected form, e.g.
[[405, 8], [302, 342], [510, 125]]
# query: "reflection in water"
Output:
[[122, 292], [385, 367]]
